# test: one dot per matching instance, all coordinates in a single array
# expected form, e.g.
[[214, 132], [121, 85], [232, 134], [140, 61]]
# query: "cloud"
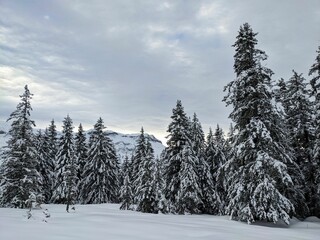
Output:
[[129, 62]]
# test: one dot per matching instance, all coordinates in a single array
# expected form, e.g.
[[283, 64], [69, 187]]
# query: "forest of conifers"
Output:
[[266, 168]]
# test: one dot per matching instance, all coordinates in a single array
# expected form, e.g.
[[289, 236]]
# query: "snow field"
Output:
[[107, 222]]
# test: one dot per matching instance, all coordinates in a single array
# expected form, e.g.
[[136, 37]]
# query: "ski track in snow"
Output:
[[106, 221]]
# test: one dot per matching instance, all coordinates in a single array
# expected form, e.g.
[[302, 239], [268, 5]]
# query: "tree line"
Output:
[[266, 168]]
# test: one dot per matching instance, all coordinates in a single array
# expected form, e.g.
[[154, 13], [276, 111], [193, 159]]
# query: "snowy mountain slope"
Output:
[[106, 221], [124, 143]]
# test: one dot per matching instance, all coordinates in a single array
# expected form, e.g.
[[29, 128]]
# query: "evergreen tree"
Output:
[[126, 195], [53, 142], [197, 136], [20, 176], [146, 192], [138, 156], [205, 178], [45, 164], [179, 136], [180, 149], [315, 159], [66, 174], [81, 151], [189, 195], [298, 118], [215, 157], [100, 183], [258, 175]]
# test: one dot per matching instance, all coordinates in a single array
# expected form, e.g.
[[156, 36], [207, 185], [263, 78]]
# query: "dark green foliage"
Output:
[[81, 150], [45, 164], [53, 142], [215, 157], [100, 178], [146, 192], [315, 159], [258, 178], [66, 174], [126, 195], [20, 176]]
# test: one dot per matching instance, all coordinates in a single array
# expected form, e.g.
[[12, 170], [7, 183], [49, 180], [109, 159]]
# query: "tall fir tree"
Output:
[[205, 178], [53, 142], [138, 156], [189, 198], [20, 176], [126, 194], [45, 164], [215, 157], [179, 148], [81, 152], [298, 118], [259, 178], [100, 179], [146, 192], [66, 175], [179, 136], [315, 159]]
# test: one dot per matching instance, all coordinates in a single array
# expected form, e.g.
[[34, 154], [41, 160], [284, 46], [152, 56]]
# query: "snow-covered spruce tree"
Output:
[[124, 169], [189, 196], [206, 182], [258, 175], [53, 142], [159, 184], [81, 150], [215, 157], [197, 136], [180, 146], [20, 176], [126, 195], [100, 179], [298, 118], [315, 159], [138, 156], [146, 192], [66, 173], [45, 164]]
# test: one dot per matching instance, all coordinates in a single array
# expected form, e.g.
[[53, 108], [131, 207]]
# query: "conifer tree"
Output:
[[215, 157], [179, 136], [126, 195], [197, 136], [53, 142], [315, 159], [189, 195], [146, 192], [205, 178], [138, 156], [81, 150], [66, 174], [45, 164], [298, 118], [20, 176], [258, 174], [100, 179], [179, 148]]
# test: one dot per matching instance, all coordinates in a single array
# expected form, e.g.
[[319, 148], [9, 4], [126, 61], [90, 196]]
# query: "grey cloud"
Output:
[[128, 61]]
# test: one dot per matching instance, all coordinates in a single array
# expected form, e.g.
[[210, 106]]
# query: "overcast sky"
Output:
[[129, 61]]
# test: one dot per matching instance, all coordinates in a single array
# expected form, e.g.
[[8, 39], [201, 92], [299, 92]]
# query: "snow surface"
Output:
[[106, 221]]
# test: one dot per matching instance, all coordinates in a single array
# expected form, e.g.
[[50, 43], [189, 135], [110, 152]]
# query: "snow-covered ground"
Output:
[[107, 222]]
